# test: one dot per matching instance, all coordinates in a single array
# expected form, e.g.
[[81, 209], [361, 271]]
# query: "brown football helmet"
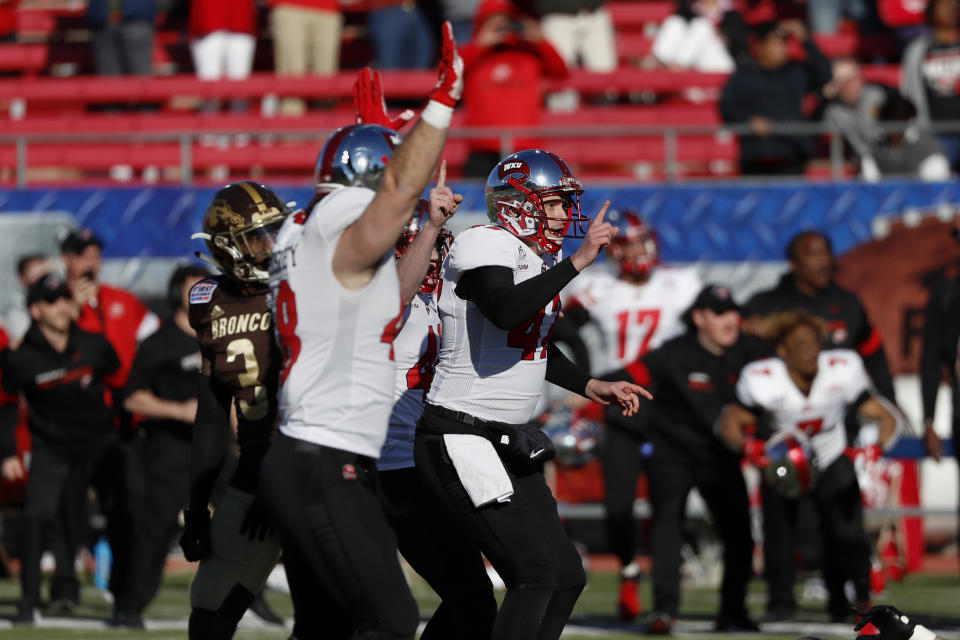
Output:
[[240, 227]]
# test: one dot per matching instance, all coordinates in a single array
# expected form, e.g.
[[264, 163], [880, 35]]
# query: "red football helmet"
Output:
[[516, 189], [444, 240], [636, 247]]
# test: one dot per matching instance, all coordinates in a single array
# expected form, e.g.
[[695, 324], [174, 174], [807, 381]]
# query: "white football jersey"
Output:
[[841, 380], [633, 319], [415, 350], [483, 370], [336, 387]]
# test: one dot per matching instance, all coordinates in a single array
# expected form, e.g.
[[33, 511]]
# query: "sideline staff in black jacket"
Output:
[[60, 370], [692, 377]]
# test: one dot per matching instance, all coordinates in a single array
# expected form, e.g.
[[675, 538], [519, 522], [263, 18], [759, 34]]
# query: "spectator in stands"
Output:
[[30, 268], [61, 370], [581, 31], [402, 35], [930, 73], [8, 20], [772, 90], [223, 38], [122, 35], [306, 37], [503, 68], [163, 387], [856, 108], [824, 15], [694, 36], [120, 317], [460, 14]]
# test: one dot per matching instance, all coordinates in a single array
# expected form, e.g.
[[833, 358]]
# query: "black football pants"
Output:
[[523, 539], [164, 464], [56, 492], [846, 549], [324, 502], [443, 554], [721, 484], [621, 469]]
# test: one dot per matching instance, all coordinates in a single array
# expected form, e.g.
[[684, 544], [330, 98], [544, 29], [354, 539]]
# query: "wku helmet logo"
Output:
[[514, 166]]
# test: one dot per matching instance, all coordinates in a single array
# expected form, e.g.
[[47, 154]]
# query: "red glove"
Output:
[[756, 453], [370, 105], [871, 453], [450, 86]]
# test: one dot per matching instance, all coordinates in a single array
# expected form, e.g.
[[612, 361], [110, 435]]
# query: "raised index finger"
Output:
[[603, 212], [442, 174]]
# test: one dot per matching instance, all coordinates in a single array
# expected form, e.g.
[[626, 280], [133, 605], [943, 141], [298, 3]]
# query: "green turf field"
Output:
[[934, 599]]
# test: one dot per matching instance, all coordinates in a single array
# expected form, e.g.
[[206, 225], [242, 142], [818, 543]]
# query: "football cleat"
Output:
[[658, 623]]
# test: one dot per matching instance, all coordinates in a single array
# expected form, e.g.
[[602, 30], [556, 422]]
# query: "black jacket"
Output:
[[690, 387], [64, 391], [167, 364], [941, 330], [777, 95], [848, 326]]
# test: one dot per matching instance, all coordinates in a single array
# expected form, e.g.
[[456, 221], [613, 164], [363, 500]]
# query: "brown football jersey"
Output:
[[235, 330]]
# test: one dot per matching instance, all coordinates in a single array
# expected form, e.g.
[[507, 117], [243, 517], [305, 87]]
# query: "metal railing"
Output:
[[670, 135]]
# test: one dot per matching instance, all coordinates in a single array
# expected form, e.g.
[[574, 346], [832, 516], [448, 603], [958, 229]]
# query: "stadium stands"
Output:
[[46, 113]]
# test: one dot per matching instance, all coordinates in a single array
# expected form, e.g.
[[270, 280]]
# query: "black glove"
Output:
[[257, 523], [195, 539], [890, 624]]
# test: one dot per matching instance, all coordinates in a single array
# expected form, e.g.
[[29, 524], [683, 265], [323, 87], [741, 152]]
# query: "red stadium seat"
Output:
[[634, 16]]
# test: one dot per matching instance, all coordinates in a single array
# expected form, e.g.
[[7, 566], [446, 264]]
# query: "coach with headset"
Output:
[[162, 387]]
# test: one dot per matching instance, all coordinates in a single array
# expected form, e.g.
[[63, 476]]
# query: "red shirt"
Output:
[[236, 16], [502, 87], [123, 320], [319, 5]]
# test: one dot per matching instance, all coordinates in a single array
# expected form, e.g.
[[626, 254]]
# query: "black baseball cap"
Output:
[[716, 297], [78, 240], [49, 288]]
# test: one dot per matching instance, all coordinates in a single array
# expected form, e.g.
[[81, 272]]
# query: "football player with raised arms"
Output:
[[808, 389], [476, 456], [338, 306], [636, 307], [436, 547], [240, 365]]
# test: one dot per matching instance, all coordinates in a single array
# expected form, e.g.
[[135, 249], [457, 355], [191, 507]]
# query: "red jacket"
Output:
[[502, 85], [123, 320], [237, 16]]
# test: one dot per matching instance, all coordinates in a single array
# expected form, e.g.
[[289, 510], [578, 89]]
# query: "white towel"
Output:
[[479, 467]]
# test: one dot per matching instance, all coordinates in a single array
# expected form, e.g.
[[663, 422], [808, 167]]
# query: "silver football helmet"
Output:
[[354, 156], [793, 464], [516, 189]]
